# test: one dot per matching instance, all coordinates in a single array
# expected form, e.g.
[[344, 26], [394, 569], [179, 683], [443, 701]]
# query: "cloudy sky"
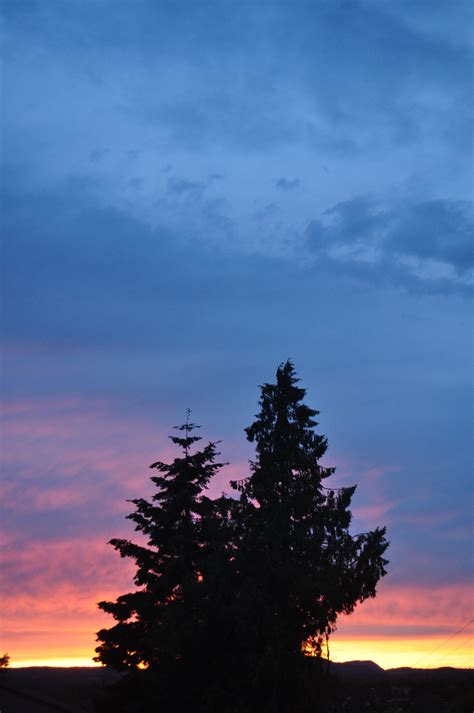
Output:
[[191, 193]]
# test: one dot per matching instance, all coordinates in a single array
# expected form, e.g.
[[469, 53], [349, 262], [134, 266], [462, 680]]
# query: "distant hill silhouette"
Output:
[[364, 686], [369, 669], [357, 669]]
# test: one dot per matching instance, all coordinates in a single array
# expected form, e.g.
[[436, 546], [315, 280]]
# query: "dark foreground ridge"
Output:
[[356, 686], [45, 689]]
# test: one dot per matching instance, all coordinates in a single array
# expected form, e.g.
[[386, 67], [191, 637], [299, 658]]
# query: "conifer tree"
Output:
[[300, 565], [158, 624]]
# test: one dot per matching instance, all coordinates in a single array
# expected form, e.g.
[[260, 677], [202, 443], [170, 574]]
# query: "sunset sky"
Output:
[[193, 192]]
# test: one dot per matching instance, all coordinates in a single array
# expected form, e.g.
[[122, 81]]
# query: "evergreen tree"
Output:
[[158, 625], [300, 567]]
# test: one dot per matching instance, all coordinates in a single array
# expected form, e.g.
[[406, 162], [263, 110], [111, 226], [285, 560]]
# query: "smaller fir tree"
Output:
[[158, 625]]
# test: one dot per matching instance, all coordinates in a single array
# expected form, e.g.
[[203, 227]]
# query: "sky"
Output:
[[191, 194]]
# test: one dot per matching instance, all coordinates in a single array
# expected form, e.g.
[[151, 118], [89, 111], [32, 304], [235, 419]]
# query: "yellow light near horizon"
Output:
[[64, 662], [65, 649], [396, 653], [387, 653]]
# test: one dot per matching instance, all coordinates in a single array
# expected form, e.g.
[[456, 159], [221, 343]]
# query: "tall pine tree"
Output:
[[300, 567]]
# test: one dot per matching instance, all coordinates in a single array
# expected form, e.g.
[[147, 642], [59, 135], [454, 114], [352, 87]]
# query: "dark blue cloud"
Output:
[[436, 230], [288, 184], [401, 242]]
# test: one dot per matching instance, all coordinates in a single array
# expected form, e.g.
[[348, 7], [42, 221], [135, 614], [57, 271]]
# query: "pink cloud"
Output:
[[399, 608], [78, 453]]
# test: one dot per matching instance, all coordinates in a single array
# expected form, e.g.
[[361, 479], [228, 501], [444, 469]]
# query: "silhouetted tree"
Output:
[[158, 625], [299, 566], [4, 661]]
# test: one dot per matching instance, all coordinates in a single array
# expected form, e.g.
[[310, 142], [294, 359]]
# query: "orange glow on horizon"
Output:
[[65, 662], [60, 630], [387, 653], [396, 653]]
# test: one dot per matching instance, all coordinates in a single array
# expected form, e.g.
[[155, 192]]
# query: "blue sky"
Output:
[[193, 193]]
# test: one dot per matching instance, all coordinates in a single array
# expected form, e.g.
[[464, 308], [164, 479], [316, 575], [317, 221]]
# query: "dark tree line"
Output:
[[234, 593]]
